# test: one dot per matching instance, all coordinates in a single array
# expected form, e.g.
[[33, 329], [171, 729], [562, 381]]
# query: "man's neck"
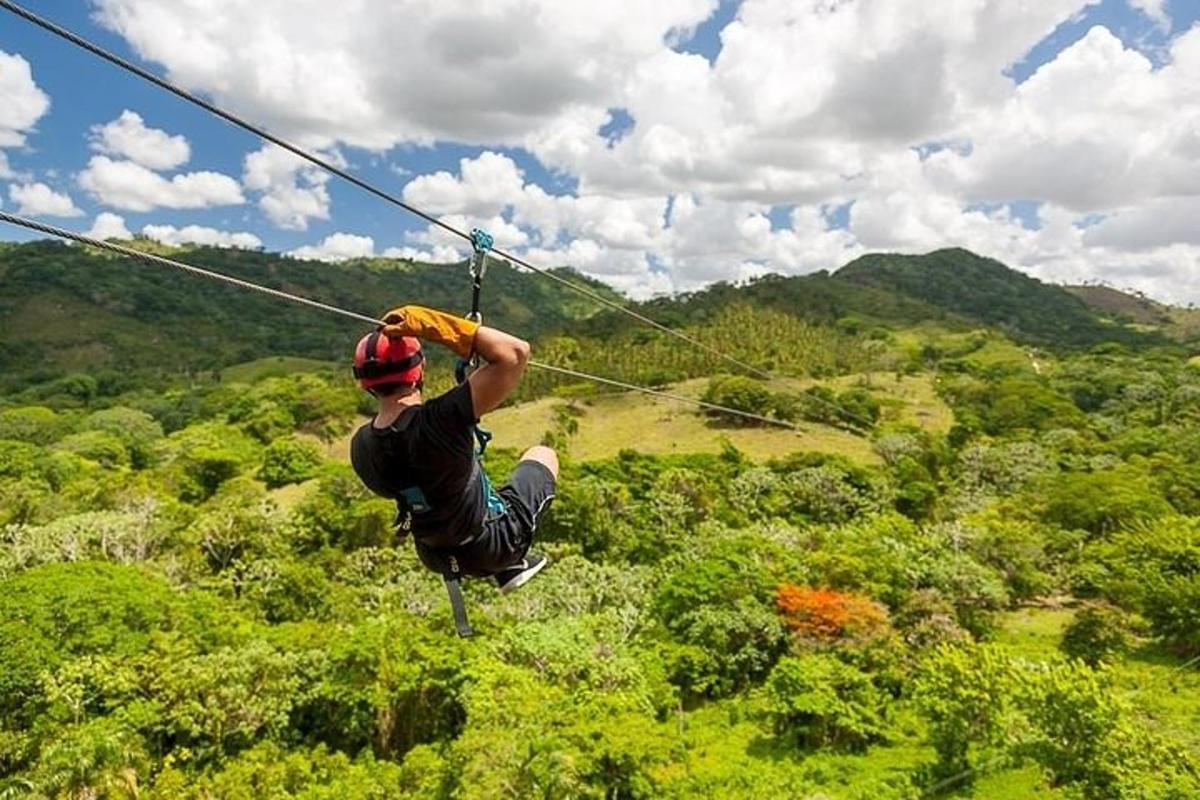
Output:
[[390, 408]]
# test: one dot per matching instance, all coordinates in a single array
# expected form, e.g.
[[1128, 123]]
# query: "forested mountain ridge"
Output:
[[66, 308], [983, 289], [126, 317]]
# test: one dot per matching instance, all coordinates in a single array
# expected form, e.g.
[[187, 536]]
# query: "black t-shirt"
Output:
[[430, 446]]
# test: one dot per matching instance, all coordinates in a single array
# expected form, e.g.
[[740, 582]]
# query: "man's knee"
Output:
[[543, 455]]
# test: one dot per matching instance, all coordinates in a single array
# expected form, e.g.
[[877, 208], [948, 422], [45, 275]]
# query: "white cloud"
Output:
[[5, 171], [128, 137], [337, 247], [198, 234], [109, 226], [1155, 10], [39, 200], [132, 187], [811, 105], [22, 103], [1156, 224], [436, 255], [1095, 129], [485, 186], [489, 72], [293, 191]]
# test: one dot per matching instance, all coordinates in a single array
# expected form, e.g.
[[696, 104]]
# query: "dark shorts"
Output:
[[505, 539]]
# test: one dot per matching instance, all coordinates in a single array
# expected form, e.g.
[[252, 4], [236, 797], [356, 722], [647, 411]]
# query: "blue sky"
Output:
[[86, 92]]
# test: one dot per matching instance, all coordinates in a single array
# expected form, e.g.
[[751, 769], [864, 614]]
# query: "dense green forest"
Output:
[[199, 600]]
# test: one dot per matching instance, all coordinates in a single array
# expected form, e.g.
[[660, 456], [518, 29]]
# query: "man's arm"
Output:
[[506, 357]]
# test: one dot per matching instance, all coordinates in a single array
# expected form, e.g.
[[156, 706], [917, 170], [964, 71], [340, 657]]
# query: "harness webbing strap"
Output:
[[453, 579]]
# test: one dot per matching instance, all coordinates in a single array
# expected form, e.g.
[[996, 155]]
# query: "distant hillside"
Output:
[[960, 282], [65, 308], [1122, 305], [954, 288]]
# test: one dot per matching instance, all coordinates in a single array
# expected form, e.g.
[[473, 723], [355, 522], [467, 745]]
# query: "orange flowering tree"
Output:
[[827, 615]]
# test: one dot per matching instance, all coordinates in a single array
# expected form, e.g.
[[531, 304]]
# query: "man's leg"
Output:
[[502, 550], [527, 494], [544, 456]]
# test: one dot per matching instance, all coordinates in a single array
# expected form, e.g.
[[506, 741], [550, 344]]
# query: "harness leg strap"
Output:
[[453, 580]]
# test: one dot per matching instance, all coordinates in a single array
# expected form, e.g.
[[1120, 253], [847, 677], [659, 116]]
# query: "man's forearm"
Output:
[[502, 349], [506, 357]]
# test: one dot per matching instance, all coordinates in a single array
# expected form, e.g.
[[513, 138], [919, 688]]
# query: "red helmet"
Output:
[[379, 360]]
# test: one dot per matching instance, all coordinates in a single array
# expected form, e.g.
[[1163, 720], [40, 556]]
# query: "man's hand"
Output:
[[456, 333]]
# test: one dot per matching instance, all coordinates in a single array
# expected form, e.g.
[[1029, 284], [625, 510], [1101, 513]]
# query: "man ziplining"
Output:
[[423, 454]]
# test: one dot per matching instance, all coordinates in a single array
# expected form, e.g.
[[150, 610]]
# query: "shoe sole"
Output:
[[524, 577]]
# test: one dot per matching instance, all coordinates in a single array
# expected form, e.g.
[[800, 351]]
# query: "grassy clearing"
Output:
[[610, 423], [913, 398], [1034, 633], [288, 497], [1162, 686]]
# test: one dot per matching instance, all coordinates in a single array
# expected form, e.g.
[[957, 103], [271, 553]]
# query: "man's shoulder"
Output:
[[452, 409]]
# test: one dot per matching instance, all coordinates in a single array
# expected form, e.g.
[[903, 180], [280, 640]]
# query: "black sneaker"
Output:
[[519, 574]]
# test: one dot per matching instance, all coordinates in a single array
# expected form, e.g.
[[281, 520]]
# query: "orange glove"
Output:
[[432, 325]]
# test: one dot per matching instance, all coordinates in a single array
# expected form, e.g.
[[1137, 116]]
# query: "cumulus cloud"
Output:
[[130, 186], [1155, 10], [128, 137], [337, 247], [22, 103], [198, 234], [900, 117], [435, 255], [485, 186], [39, 200], [293, 192], [1096, 128], [109, 226], [487, 73]]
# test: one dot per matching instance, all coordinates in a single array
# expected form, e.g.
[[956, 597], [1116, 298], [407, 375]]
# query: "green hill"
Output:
[[66, 308], [960, 282]]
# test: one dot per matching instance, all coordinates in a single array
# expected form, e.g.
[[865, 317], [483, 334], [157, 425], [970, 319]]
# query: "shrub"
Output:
[[51, 613], [1155, 570], [99, 446], [33, 424], [725, 648], [967, 696], [137, 430], [740, 394], [342, 512], [289, 460], [822, 702], [199, 458], [1102, 502], [1086, 737], [1096, 633]]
